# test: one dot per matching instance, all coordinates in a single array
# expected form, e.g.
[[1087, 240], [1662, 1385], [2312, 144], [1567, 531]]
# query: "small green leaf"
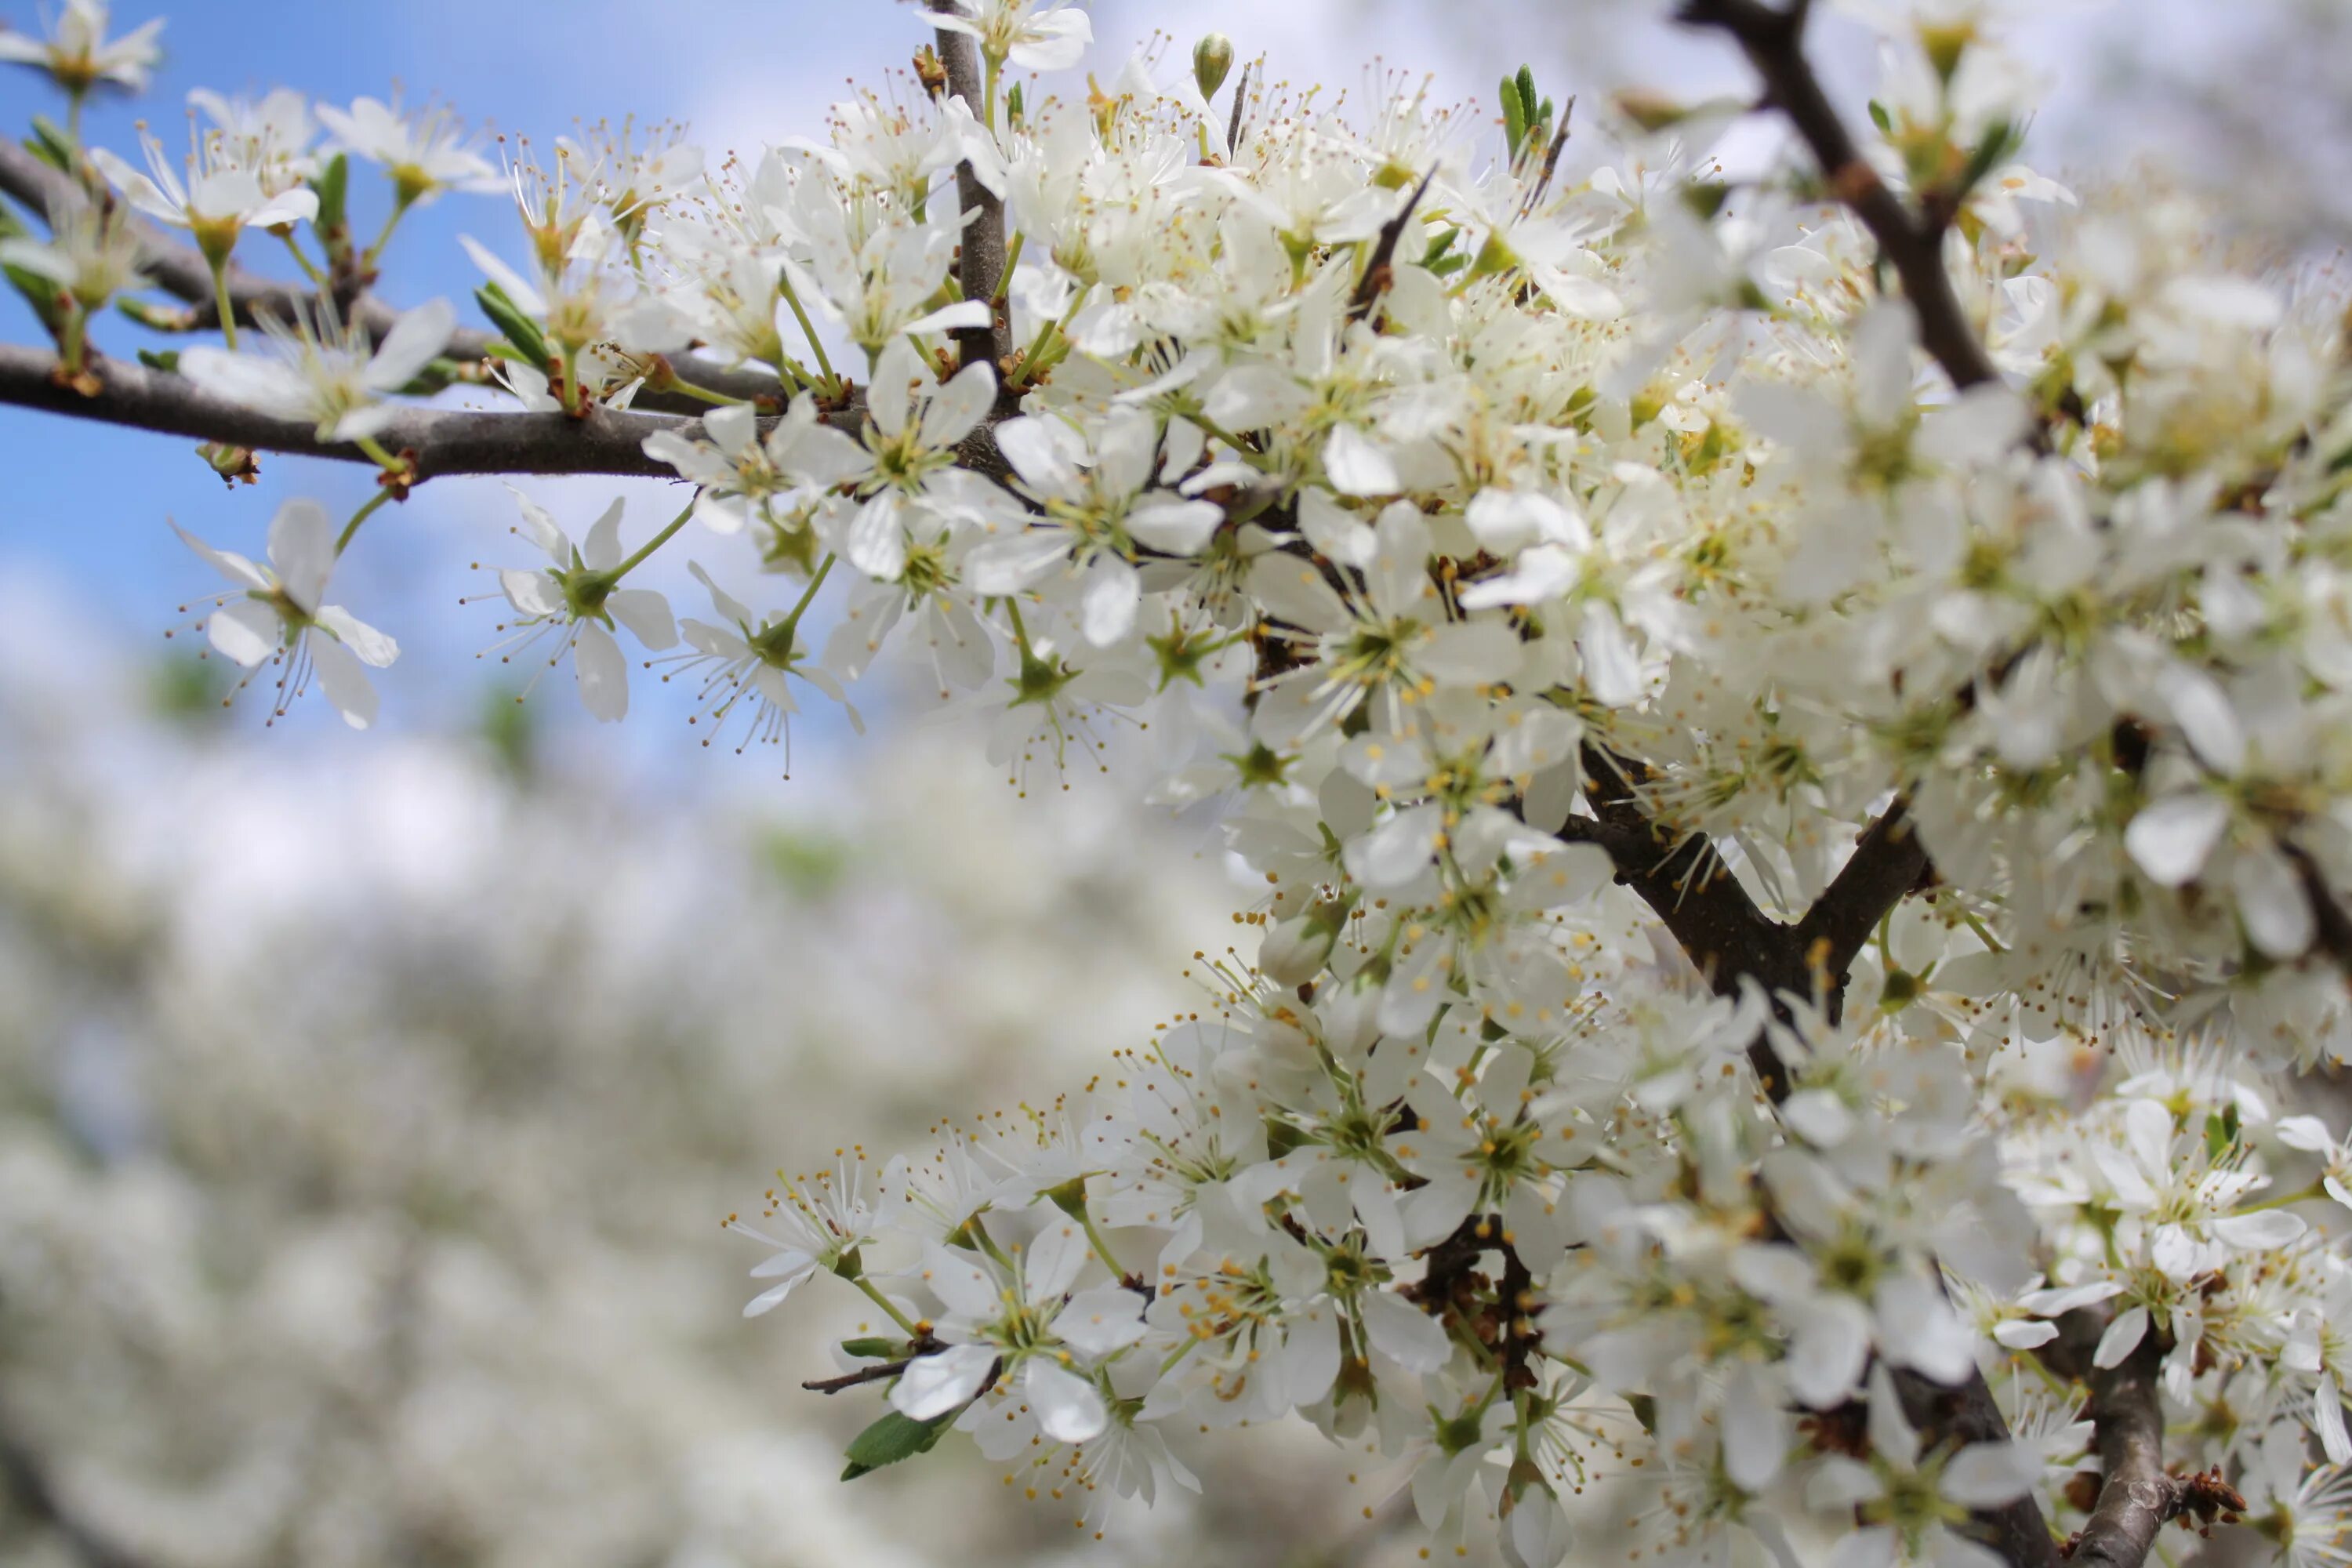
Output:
[[1527, 85], [51, 145], [891, 1439], [1880, 118], [40, 293], [1999, 142], [330, 185], [165, 360], [531, 344], [1515, 117], [873, 1348]]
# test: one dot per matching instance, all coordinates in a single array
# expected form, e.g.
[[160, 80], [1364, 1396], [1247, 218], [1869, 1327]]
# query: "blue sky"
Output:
[[84, 520]]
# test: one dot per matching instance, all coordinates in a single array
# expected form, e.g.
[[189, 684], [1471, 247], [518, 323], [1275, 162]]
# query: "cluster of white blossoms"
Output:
[[1798, 812]]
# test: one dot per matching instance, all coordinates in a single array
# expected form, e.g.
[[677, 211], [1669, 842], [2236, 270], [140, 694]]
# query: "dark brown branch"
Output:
[[1773, 41], [982, 263], [439, 440], [1377, 269], [1888, 864], [2331, 924], [442, 441], [2136, 1497]]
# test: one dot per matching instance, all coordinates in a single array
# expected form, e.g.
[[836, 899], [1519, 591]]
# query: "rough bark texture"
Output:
[[981, 265]]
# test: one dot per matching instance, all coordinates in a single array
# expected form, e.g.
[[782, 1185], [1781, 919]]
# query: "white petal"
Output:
[[2260, 1232], [1402, 1333], [1055, 1259], [2170, 840], [2122, 1338], [1985, 1474], [1067, 1408], [602, 551], [415, 340], [935, 1384], [344, 680], [958, 406], [245, 630], [2272, 903], [1100, 1320], [877, 544], [302, 548], [1355, 466], [1107, 608], [603, 673], [1177, 527], [532, 593], [962, 314], [647, 615], [227, 562], [368, 645]]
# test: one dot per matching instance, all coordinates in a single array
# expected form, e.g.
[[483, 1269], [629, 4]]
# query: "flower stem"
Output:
[[883, 1302], [1102, 1247], [831, 382], [294, 248], [221, 301], [375, 449], [367, 509], [650, 545]]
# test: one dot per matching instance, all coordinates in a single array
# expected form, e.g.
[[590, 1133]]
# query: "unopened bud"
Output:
[[1213, 58]]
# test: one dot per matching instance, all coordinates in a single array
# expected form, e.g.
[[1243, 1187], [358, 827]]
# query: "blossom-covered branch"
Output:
[[1592, 607]]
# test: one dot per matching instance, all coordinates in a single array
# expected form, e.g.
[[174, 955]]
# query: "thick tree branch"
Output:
[[982, 263], [439, 440], [1888, 864], [1773, 40]]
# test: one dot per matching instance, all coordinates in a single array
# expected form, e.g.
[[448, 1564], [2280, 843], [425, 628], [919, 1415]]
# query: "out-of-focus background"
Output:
[[369, 1103]]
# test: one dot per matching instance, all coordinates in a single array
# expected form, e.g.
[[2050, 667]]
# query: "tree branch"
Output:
[[1888, 864], [982, 263], [1773, 41], [439, 440]]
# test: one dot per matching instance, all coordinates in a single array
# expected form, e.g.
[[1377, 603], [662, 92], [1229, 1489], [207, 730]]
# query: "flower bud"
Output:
[[1212, 56]]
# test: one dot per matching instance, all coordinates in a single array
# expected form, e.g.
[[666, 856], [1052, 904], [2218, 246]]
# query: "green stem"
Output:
[[294, 248], [375, 449], [879, 1299], [221, 303], [988, 94], [1102, 1247], [384, 238], [2316, 1190], [1011, 259], [650, 545], [702, 394], [73, 333], [1034, 361], [808, 594], [367, 509], [808, 330]]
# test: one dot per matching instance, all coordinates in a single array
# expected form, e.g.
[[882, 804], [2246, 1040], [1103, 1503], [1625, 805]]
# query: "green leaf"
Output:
[[1527, 101], [40, 293], [1880, 118], [520, 330], [330, 185], [891, 1439], [165, 360], [1999, 142], [51, 145], [1515, 117], [874, 1349]]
